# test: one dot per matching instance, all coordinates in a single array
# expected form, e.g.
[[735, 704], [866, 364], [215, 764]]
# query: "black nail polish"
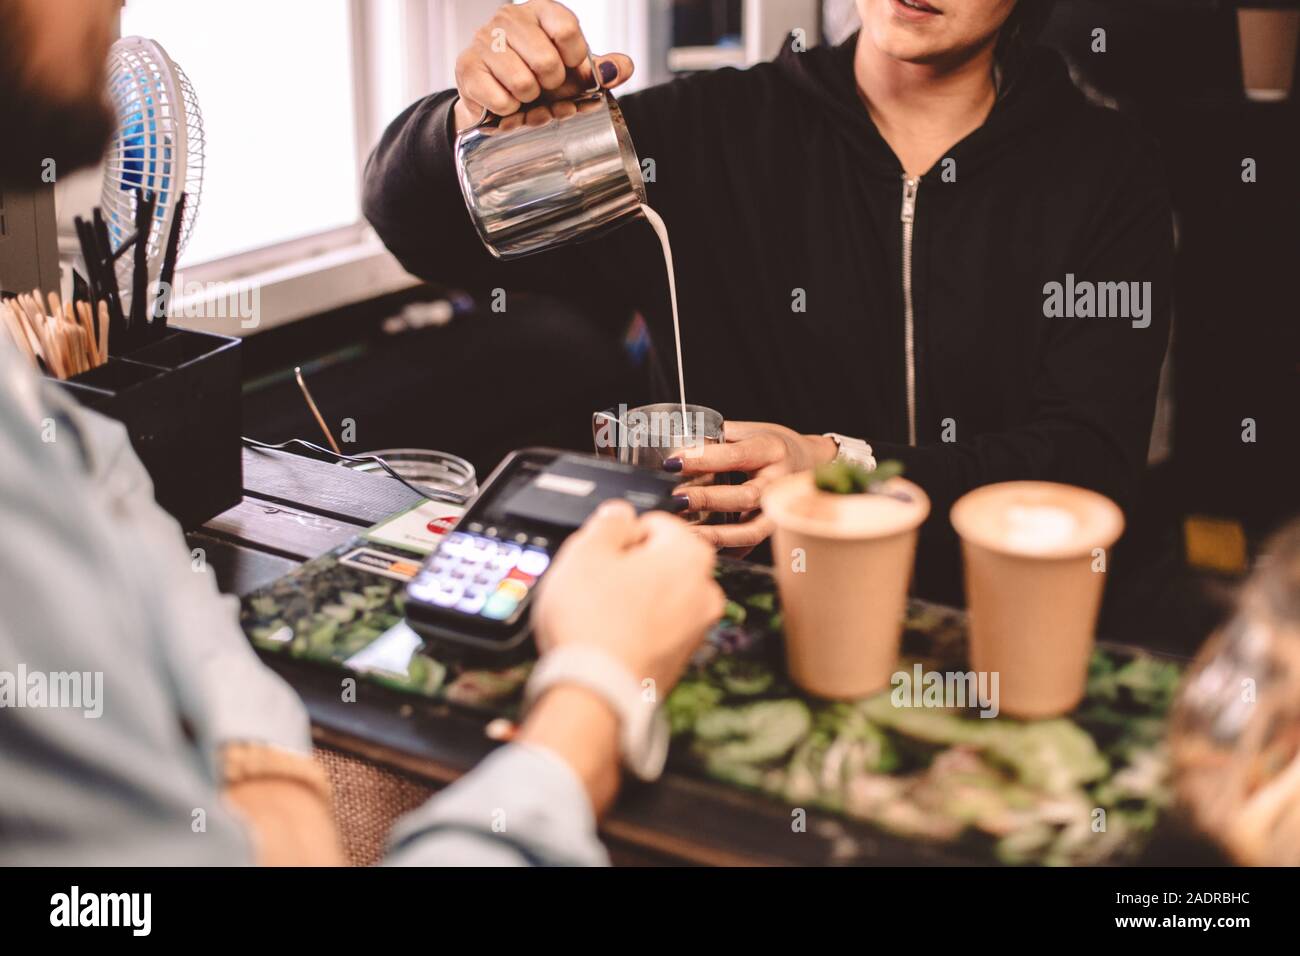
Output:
[[673, 465], [608, 72], [679, 503]]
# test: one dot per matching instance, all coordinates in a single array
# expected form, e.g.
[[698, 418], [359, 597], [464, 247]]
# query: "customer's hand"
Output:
[[528, 52], [762, 451], [639, 589], [642, 591]]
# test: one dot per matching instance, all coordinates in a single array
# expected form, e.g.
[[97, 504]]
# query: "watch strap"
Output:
[[853, 451], [643, 728]]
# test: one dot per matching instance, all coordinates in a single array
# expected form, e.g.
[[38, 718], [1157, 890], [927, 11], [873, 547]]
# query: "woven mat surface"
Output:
[[368, 799]]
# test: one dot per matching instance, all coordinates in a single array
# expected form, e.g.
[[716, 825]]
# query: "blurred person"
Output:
[[1235, 728], [864, 239], [173, 712]]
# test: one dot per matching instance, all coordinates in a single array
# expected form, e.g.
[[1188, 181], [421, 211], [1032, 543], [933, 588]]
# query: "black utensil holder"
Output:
[[180, 400]]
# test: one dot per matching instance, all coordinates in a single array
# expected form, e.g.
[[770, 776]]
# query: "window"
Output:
[[616, 26], [598, 19], [271, 78], [294, 94]]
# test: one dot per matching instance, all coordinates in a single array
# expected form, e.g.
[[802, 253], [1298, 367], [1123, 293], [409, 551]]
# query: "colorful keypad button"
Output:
[[527, 580], [499, 606], [516, 590], [478, 574]]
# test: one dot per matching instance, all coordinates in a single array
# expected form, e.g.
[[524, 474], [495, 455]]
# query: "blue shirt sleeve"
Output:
[[522, 806]]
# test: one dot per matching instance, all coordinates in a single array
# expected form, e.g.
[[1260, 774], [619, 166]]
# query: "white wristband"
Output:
[[853, 451], [643, 728]]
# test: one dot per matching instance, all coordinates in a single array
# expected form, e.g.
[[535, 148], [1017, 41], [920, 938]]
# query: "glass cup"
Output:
[[436, 471]]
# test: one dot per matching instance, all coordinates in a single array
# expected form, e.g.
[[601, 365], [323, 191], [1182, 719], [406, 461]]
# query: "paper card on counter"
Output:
[[419, 529], [380, 562]]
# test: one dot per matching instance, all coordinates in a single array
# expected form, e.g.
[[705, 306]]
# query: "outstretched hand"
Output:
[[764, 452]]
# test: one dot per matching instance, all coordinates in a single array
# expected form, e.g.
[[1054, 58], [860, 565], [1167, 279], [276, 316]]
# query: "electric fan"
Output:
[[157, 151]]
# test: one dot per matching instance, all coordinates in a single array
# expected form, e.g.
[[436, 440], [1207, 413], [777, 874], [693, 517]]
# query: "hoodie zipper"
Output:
[[910, 189]]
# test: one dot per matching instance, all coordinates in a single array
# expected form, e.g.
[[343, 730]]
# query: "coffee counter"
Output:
[[723, 800]]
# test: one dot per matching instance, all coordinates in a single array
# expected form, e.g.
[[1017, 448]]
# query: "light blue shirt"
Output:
[[123, 670]]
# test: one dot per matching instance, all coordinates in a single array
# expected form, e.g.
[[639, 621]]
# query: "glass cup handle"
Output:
[[610, 422]]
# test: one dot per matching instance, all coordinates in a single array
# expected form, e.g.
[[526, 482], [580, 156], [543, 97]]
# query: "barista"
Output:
[[864, 238]]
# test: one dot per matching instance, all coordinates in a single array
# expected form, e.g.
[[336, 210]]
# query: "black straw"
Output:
[[116, 320], [162, 305], [144, 207], [89, 254]]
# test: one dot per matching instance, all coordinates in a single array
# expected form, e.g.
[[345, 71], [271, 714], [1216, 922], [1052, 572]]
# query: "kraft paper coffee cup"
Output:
[[1035, 558], [1268, 52], [843, 565]]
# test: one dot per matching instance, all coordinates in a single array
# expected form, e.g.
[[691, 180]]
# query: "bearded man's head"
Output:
[[52, 79]]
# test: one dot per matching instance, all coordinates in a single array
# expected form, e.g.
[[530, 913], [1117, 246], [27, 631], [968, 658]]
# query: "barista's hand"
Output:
[[765, 453], [528, 52]]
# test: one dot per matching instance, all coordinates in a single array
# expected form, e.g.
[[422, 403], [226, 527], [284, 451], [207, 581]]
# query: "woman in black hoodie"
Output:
[[911, 239]]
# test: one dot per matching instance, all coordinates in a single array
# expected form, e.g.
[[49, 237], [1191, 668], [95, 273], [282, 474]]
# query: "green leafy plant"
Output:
[[844, 478]]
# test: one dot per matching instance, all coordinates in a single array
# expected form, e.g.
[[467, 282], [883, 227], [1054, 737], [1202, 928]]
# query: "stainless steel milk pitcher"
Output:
[[532, 185]]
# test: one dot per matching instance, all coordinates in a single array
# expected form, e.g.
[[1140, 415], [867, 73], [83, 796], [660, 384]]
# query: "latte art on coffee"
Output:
[[1033, 528]]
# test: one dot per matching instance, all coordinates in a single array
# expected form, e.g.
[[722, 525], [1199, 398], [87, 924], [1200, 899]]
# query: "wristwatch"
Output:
[[643, 728], [853, 451]]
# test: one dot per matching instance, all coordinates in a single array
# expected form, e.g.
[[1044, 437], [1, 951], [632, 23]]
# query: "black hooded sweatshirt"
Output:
[[786, 212]]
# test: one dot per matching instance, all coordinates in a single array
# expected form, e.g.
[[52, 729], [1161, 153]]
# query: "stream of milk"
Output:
[[661, 230]]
